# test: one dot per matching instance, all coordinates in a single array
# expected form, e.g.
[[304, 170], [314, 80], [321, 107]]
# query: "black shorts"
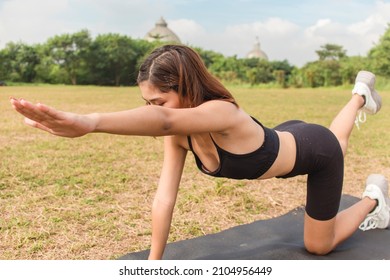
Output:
[[320, 156]]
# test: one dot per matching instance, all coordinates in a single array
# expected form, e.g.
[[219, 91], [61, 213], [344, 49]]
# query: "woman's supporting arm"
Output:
[[165, 199]]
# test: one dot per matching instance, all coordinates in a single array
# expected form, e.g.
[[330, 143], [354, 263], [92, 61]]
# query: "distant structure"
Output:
[[161, 32], [256, 52]]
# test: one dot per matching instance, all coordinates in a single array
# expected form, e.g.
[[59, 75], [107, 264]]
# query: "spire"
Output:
[[256, 52], [161, 32]]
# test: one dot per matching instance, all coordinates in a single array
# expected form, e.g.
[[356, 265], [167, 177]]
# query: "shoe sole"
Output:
[[368, 79]]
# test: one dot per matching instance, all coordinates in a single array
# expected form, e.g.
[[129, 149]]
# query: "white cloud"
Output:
[[281, 38], [30, 21], [280, 26], [187, 30], [129, 17], [357, 38], [368, 31], [236, 39]]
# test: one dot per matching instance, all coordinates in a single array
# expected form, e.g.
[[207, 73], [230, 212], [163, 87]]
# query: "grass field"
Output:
[[90, 197]]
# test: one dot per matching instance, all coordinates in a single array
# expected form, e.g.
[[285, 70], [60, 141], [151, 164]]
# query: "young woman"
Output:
[[197, 113]]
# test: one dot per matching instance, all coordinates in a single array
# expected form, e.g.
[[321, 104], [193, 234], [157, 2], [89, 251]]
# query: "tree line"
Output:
[[114, 59]]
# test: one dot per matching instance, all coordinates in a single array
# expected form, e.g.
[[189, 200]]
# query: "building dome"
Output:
[[256, 52], [161, 32]]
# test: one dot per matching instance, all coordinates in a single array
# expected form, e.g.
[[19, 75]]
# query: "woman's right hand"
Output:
[[56, 122]]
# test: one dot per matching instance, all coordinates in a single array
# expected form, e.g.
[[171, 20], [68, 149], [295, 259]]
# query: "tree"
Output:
[[227, 68], [3, 66], [258, 71], [379, 55], [281, 71], [325, 71], [350, 66], [112, 58], [296, 78], [331, 52], [208, 57], [331, 73], [48, 71], [18, 62], [69, 51], [312, 74]]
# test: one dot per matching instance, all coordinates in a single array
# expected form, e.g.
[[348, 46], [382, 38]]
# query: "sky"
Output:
[[291, 30]]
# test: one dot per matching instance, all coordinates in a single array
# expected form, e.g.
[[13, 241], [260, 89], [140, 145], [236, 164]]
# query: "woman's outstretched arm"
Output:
[[211, 116]]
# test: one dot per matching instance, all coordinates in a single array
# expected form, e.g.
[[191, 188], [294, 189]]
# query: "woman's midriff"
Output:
[[285, 160]]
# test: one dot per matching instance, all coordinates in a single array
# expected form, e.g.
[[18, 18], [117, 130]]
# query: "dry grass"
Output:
[[90, 198]]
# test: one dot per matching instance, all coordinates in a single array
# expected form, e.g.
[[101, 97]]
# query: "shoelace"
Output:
[[373, 221], [369, 223], [360, 118]]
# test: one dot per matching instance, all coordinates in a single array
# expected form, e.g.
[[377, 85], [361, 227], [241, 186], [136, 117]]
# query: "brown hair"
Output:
[[180, 68]]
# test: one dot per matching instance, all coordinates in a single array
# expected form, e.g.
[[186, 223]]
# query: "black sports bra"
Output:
[[245, 166]]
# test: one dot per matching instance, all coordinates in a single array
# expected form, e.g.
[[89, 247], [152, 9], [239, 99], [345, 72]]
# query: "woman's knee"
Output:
[[318, 235], [317, 247]]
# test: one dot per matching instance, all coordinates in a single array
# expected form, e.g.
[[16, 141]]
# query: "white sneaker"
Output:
[[377, 188], [364, 86]]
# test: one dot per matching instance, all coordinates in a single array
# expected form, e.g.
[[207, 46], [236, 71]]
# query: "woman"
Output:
[[197, 113]]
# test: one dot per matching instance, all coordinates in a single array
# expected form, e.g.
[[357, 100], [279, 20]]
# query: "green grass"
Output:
[[90, 198]]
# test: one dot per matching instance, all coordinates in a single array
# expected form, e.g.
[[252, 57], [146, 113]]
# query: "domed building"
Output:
[[256, 52], [162, 32]]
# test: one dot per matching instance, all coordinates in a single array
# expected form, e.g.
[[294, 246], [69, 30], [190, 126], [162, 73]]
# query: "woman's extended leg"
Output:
[[343, 123], [373, 211], [365, 98]]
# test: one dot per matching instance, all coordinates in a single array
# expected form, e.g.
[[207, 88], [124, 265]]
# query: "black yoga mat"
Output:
[[280, 238]]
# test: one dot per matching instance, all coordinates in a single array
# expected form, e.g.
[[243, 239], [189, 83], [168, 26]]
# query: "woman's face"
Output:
[[154, 96]]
